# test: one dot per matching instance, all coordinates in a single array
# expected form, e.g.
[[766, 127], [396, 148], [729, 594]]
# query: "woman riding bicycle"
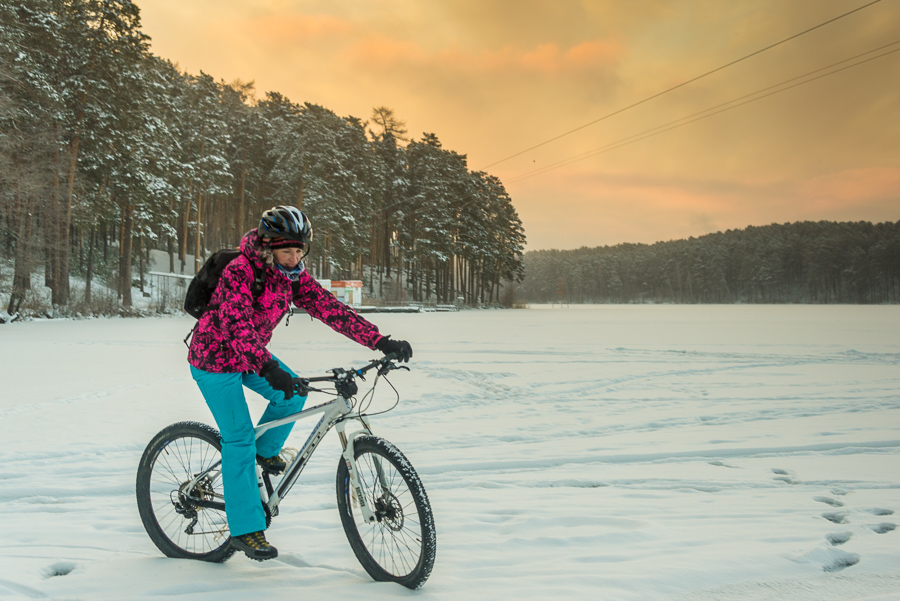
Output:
[[228, 351]]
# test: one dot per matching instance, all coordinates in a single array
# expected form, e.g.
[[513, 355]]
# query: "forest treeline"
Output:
[[107, 152], [807, 262]]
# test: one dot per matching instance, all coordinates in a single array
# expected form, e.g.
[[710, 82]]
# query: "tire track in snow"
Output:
[[501, 465], [90, 396]]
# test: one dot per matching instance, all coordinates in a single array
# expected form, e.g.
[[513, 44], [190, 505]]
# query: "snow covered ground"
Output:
[[608, 452]]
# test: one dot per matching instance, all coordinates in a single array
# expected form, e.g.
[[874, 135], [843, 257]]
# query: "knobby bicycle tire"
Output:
[[400, 546], [175, 525]]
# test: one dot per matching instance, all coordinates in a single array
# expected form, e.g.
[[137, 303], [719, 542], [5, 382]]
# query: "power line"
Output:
[[666, 127], [722, 108], [622, 142], [672, 125], [657, 95]]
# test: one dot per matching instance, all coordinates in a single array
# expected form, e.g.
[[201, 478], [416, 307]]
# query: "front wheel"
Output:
[[400, 545]]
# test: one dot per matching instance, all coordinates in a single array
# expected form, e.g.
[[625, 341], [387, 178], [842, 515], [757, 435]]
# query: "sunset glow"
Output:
[[494, 79]]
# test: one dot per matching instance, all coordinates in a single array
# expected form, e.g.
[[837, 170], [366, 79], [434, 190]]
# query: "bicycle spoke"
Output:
[[398, 545], [169, 509]]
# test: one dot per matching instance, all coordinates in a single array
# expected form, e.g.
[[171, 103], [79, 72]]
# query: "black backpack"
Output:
[[201, 288]]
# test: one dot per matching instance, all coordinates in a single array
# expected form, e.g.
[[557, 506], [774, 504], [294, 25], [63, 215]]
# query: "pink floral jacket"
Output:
[[232, 336]]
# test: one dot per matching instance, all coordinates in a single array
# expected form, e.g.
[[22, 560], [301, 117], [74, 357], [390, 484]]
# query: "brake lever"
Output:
[[389, 366], [301, 387]]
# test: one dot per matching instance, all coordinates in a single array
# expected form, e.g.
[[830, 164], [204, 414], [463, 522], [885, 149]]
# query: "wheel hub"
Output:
[[389, 511], [185, 504]]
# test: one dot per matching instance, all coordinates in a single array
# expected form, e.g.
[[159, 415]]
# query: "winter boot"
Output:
[[273, 465], [255, 546]]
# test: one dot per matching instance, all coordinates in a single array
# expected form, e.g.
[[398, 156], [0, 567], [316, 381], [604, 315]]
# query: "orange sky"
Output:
[[494, 77]]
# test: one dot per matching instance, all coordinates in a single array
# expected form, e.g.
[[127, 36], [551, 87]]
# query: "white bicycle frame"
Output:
[[335, 414]]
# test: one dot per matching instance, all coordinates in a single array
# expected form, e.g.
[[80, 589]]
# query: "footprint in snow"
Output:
[[883, 528], [829, 501], [787, 479], [784, 476], [836, 517], [838, 538], [831, 559], [880, 511], [841, 562], [60, 568]]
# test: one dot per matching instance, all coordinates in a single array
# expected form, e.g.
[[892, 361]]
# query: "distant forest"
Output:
[[107, 152], [806, 262]]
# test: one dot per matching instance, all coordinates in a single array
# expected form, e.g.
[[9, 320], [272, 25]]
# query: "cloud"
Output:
[[853, 187], [385, 53], [594, 53], [269, 36], [295, 27]]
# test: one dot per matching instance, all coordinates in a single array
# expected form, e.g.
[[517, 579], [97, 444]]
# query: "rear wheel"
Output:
[[400, 544], [182, 523]]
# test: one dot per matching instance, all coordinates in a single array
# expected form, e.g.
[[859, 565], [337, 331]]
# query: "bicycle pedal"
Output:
[[288, 455]]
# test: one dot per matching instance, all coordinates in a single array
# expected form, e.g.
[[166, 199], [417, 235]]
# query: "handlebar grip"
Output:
[[301, 386]]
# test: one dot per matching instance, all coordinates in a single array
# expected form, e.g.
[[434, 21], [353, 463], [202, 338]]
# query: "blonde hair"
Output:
[[266, 254]]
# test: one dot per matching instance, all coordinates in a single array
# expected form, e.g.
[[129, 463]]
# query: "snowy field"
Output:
[[611, 452]]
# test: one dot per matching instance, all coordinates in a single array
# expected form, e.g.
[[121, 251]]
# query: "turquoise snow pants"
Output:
[[224, 394]]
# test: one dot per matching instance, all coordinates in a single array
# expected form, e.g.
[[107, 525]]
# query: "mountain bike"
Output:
[[383, 506]]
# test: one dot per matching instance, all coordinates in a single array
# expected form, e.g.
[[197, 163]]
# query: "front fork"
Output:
[[357, 492]]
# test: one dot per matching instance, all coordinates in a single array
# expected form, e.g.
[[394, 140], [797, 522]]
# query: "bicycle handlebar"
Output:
[[339, 374]]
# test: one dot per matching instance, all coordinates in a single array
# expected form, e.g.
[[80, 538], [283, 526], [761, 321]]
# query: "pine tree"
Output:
[[206, 150], [100, 41], [31, 114]]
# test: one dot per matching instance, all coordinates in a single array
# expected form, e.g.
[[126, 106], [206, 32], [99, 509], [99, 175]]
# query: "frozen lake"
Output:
[[609, 452]]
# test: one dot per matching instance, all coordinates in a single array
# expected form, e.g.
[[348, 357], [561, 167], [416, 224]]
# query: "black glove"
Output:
[[401, 347], [278, 378]]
